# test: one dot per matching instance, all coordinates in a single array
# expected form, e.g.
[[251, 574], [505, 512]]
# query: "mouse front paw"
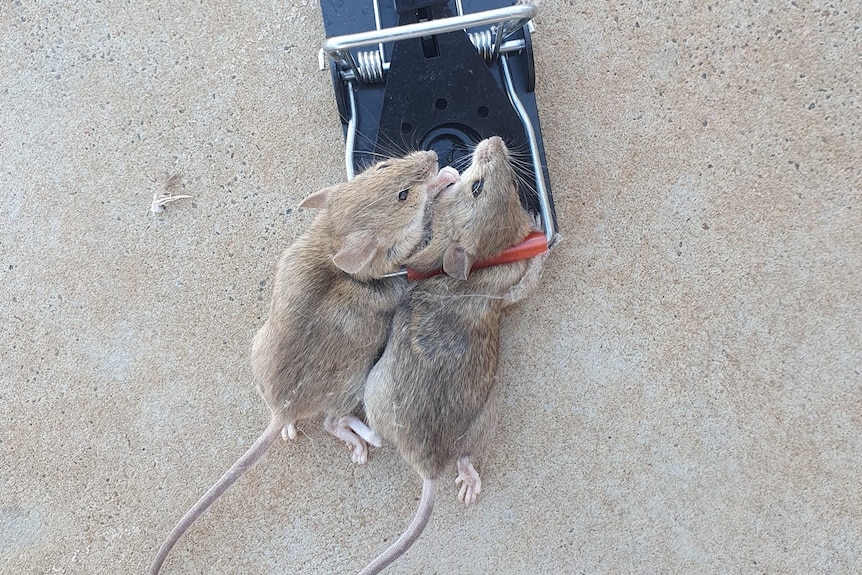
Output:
[[446, 177], [468, 479]]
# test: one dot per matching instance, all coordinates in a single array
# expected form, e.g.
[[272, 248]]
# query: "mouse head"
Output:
[[378, 220], [479, 217]]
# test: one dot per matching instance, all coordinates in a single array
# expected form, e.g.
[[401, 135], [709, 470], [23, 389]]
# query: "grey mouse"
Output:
[[432, 393], [330, 314]]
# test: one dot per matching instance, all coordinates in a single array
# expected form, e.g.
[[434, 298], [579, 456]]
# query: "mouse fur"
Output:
[[330, 310], [432, 393]]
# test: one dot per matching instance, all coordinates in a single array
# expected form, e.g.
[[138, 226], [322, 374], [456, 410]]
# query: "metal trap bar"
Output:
[[372, 66], [356, 71]]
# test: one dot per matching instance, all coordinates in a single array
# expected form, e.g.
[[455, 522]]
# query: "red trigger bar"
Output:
[[534, 244]]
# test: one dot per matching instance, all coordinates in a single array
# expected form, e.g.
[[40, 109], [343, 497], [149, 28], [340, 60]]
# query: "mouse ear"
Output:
[[456, 261], [318, 199], [356, 252]]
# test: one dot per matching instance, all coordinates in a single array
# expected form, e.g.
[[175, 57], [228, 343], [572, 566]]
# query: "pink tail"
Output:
[[423, 514], [242, 465]]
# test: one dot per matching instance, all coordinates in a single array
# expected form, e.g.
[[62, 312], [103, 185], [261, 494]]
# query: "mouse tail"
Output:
[[242, 464], [409, 537]]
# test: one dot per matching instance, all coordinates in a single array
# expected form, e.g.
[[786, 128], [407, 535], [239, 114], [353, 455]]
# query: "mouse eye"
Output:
[[477, 188], [402, 195]]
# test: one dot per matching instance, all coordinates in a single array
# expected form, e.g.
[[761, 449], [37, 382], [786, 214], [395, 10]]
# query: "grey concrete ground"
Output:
[[683, 395]]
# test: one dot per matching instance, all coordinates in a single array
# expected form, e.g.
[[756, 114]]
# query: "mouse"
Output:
[[432, 393], [331, 308]]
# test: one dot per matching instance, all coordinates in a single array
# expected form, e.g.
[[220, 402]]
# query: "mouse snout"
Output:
[[429, 162], [497, 142], [490, 147]]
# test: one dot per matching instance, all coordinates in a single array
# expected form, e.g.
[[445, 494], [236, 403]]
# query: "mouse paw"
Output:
[[361, 429], [449, 175], [469, 480], [528, 282], [445, 178], [288, 432], [355, 443]]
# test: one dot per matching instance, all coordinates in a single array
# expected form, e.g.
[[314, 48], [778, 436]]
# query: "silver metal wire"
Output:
[[370, 66], [484, 43]]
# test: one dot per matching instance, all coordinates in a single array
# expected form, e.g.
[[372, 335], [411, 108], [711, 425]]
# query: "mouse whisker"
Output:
[[461, 163]]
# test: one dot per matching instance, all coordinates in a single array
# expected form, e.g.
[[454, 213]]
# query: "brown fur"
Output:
[[329, 317], [432, 393]]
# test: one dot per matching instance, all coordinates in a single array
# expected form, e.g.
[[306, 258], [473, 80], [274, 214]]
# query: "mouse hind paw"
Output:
[[354, 442], [361, 429], [468, 479], [288, 432]]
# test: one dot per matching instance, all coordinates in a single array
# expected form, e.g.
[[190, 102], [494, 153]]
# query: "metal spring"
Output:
[[484, 43], [370, 66]]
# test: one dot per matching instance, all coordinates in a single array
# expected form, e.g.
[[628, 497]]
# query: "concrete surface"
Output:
[[683, 395]]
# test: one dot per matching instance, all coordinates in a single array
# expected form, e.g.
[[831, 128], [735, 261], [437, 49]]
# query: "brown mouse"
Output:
[[432, 392], [330, 314]]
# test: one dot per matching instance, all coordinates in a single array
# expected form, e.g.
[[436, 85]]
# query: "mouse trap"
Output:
[[440, 75]]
